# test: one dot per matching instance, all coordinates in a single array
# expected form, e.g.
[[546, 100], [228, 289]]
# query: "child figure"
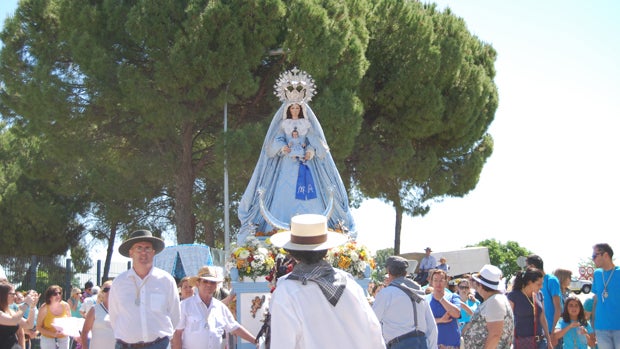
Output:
[[573, 327], [297, 146]]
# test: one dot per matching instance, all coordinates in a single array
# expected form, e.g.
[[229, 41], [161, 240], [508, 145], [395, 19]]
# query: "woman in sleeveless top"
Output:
[[53, 308], [13, 321], [98, 321]]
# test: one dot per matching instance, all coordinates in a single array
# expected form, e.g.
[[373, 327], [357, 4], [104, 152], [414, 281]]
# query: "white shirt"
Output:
[[395, 312], [203, 327], [158, 312], [88, 303], [302, 318]]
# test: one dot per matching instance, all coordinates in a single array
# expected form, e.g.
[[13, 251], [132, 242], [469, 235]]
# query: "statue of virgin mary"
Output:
[[295, 173]]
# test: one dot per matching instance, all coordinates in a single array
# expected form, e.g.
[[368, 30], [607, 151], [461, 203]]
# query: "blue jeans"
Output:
[[163, 344], [410, 343], [50, 343], [608, 339]]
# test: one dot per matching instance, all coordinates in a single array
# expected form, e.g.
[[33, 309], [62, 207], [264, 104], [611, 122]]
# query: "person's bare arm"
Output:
[[245, 334], [495, 329], [177, 339], [87, 327]]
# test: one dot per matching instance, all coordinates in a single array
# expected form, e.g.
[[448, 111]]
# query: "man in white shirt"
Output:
[[89, 301], [144, 300], [317, 306], [204, 319], [406, 317]]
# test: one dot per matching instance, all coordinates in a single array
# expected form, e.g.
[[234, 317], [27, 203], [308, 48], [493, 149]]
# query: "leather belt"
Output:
[[414, 333], [139, 344]]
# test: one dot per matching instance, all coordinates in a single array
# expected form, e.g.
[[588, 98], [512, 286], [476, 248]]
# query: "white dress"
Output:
[[102, 334]]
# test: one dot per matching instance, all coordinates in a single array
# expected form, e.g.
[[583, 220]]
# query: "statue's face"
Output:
[[295, 109]]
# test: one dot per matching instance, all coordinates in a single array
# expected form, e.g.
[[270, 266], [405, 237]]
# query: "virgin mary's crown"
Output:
[[294, 86]]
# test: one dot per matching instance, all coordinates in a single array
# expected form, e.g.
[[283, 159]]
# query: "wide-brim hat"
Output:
[[208, 273], [428, 249], [490, 276], [308, 233], [140, 236]]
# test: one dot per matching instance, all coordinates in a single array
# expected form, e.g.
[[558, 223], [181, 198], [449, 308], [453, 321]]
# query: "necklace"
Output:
[[530, 300], [138, 289], [605, 283]]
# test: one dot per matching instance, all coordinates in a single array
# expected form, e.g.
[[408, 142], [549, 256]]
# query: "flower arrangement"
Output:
[[253, 259], [352, 258]]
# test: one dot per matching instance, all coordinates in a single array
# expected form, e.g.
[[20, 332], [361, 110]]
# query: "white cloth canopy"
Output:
[[183, 260]]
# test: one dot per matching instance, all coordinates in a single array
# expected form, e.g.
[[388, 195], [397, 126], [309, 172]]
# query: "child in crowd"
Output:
[[573, 327]]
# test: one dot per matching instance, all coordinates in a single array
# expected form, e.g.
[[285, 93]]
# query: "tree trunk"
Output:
[[183, 187], [109, 251], [397, 228]]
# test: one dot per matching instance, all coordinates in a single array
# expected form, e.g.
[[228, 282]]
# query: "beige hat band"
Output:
[[308, 240]]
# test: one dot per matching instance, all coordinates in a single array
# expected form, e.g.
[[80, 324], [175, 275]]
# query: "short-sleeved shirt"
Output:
[[203, 327], [551, 288], [496, 308], [449, 333], [524, 314], [573, 339], [606, 316]]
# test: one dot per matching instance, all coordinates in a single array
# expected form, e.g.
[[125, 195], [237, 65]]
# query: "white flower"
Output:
[[354, 256], [244, 254], [262, 251]]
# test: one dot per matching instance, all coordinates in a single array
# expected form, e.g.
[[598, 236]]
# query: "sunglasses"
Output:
[[57, 293], [106, 289], [464, 287]]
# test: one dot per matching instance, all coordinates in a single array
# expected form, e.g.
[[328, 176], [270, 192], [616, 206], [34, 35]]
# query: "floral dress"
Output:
[[475, 336]]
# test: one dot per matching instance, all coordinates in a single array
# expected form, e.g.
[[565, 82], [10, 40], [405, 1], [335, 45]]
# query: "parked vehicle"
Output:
[[580, 285]]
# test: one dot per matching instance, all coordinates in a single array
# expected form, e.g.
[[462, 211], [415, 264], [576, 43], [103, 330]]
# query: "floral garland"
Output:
[[352, 258], [252, 259]]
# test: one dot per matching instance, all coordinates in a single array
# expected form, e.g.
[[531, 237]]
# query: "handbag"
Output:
[[526, 343]]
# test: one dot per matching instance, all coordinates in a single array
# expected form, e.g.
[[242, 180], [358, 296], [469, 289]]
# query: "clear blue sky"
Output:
[[551, 184]]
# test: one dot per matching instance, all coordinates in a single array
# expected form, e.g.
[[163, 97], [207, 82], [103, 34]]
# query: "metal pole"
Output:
[[226, 201]]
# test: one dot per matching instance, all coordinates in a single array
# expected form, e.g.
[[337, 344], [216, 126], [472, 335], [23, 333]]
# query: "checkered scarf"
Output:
[[332, 284]]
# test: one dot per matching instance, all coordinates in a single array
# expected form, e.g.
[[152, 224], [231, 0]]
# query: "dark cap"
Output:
[[428, 249], [396, 265]]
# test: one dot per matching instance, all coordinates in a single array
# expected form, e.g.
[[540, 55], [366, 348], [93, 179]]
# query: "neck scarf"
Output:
[[331, 283]]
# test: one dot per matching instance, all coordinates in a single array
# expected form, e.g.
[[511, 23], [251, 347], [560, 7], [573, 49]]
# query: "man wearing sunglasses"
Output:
[[144, 300], [606, 289]]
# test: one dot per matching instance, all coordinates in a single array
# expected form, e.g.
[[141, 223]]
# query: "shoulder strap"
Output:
[[414, 299]]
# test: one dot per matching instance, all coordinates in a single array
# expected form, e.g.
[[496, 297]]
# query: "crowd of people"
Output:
[[535, 310], [318, 306]]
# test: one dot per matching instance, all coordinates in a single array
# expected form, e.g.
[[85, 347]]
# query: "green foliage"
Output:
[[36, 218], [504, 256], [429, 99], [378, 275], [119, 107]]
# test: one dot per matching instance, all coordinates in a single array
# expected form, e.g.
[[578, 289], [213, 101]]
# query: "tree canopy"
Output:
[[430, 98], [124, 102]]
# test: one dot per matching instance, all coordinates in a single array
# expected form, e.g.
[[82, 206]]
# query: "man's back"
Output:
[[394, 308], [302, 318]]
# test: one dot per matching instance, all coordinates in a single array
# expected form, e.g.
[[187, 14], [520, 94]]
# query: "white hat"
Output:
[[208, 273], [308, 233], [490, 276]]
